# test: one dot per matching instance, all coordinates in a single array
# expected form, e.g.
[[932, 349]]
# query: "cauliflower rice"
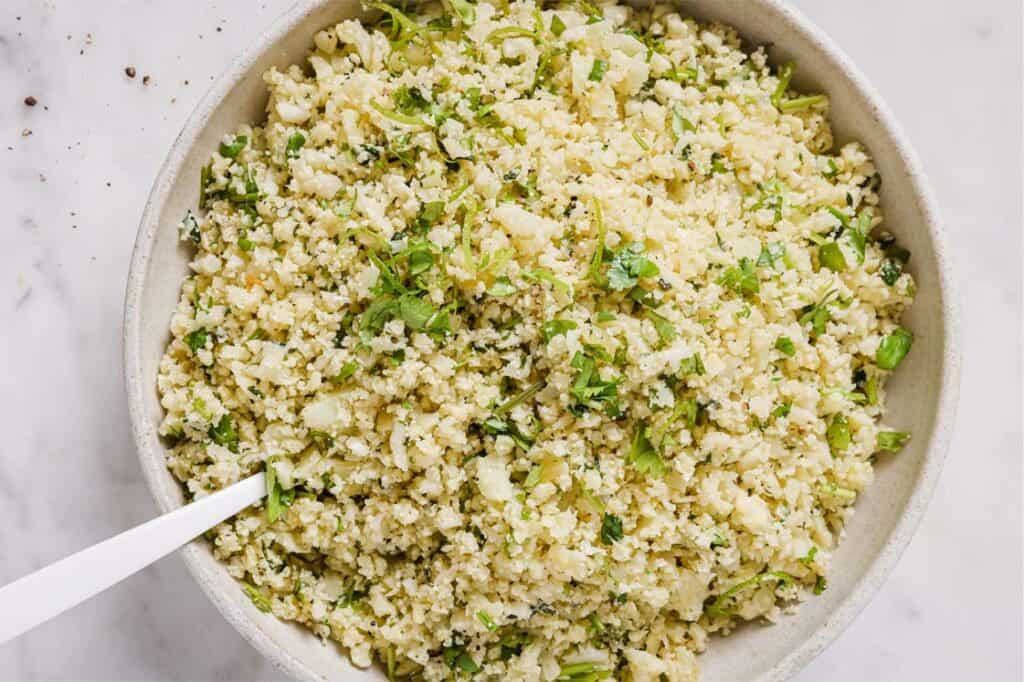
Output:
[[561, 333]]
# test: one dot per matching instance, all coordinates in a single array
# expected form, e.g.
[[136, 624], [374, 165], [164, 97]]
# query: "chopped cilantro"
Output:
[[723, 605], [457, 659], [643, 456], [598, 70], [680, 124], [258, 598], [487, 621], [230, 151], [692, 365], [818, 314], [553, 328], [519, 399], [196, 340], [628, 266], [611, 529], [557, 26], [890, 271], [534, 476], [741, 278], [772, 253], [190, 228], [274, 506], [502, 287], [594, 272], [430, 213], [784, 345], [224, 434], [545, 275], [295, 142], [666, 331], [589, 390]]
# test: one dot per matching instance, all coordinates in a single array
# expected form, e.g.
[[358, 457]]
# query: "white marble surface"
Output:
[[72, 192]]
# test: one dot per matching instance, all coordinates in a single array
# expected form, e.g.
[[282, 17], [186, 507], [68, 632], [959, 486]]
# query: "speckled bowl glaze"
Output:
[[922, 395]]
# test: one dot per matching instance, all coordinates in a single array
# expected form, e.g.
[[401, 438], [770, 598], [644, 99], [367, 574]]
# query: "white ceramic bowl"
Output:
[[922, 395]]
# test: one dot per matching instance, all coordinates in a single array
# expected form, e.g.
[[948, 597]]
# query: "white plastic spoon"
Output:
[[50, 591]]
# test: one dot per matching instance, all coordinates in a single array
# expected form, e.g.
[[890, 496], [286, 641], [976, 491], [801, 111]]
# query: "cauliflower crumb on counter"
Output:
[[561, 332]]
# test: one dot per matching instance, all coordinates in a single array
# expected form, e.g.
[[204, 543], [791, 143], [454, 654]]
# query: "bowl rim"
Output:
[[153, 463]]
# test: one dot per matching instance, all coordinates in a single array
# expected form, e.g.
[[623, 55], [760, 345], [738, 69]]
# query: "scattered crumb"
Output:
[[129, 71], [30, 101], [145, 79], [26, 132]]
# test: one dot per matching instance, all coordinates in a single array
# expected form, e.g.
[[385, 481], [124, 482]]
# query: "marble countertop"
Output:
[[75, 170]]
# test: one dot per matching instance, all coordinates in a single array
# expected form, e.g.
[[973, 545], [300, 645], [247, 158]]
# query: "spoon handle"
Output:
[[50, 591]]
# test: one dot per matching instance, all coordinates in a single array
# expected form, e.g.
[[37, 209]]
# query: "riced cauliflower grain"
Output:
[[561, 332]]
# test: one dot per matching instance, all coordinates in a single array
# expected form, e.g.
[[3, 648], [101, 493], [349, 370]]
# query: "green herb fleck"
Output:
[[196, 340], [230, 151], [487, 621], [557, 26], [628, 266], [502, 287], [741, 278], [224, 434], [723, 605], [643, 456], [553, 328], [611, 529], [258, 598], [666, 331], [784, 345], [589, 390], [295, 142]]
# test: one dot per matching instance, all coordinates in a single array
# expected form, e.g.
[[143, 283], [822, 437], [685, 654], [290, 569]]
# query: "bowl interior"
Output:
[[921, 395]]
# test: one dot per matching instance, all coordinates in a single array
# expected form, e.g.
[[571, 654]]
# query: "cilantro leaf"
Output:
[[230, 151], [643, 456], [741, 278], [628, 266], [611, 529], [784, 345], [502, 287], [553, 328], [196, 340]]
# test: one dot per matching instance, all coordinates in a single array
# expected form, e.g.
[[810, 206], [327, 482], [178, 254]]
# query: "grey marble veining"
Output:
[[72, 190]]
